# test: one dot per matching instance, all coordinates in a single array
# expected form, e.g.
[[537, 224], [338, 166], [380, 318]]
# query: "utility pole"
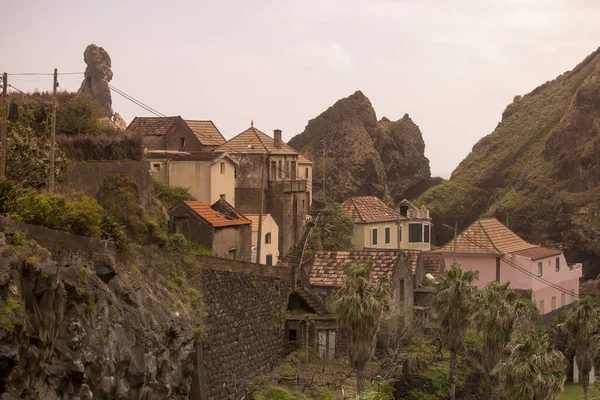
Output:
[[260, 214], [53, 132], [324, 162], [3, 126], [455, 236]]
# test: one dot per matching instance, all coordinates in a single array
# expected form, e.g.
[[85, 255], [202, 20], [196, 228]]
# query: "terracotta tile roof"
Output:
[[486, 236], [151, 125], [206, 132], [254, 219], [327, 269], [216, 218], [412, 257], [367, 209], [303, 160], [433, 263], [253, 141], [537, 253]]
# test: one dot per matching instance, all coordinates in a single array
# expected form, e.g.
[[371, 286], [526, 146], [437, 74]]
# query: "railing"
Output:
[[418, 213], [288, 186], [574, 266]]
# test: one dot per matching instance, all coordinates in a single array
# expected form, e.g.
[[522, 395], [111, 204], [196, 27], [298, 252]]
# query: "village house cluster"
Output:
[[253, 174]]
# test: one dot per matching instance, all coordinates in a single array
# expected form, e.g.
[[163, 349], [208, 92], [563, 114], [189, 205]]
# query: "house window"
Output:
[[563, 299], [387, 235], [273, 170], [557, 261], [232, 254], [374, 236], [401, 289], [156, 167], [306, 173], [304, 205], [400, 233], [553, 303], [292, 335], [404, 210], [541, 306], [426, 233], [222, 196], [181, 142], [540, 268], [268, 238], [293, 170], [222, 167], [415, 233], [235, 172], [269, 259], [280, 169]]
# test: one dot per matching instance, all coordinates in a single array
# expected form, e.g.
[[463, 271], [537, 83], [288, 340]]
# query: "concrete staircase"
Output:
[[313, 301]]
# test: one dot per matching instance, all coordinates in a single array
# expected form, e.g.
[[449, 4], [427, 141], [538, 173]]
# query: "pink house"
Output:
[[500, 255]]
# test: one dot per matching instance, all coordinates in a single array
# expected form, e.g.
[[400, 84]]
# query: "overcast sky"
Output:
[[452, 65]]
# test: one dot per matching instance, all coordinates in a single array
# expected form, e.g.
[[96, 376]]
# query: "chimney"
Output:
[[277, 136]]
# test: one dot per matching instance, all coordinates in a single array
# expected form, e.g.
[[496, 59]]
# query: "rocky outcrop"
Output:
[[98, 74], [361, 155], [540, 168]]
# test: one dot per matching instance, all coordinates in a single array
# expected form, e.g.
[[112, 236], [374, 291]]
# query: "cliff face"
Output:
[[363, 156], [540, 167], [98, 74]]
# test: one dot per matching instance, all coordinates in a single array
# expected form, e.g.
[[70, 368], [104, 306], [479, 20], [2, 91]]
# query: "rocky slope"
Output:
[[540, 167], [98, 74], [363, 156], [85, 328]]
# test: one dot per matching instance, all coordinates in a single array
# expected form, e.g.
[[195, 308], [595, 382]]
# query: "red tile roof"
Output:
[[486, 236], [253, 141], [151, 125], [216, 218], [254, 219], [303, 160], [206, 132], [368, 209], [328, 266], [433, 263], [537, 253]]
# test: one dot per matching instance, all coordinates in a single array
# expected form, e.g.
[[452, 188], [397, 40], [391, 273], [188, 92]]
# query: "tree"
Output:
[[582, 325], [501, 311], [456, 307], [360, 305], [530, 369], [337, 228]]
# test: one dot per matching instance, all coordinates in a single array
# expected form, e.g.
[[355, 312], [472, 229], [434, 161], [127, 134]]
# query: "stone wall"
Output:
[[245, 306], [88, 177]]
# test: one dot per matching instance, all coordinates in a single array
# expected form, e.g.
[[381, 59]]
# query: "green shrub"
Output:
[[178, 243], [8, 195], [171, 195], [12, 314], [84, 215], [111, 229], [102, 146], [78, 116]]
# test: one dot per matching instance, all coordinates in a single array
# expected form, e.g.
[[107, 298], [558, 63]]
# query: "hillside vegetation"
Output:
[[540, 168]]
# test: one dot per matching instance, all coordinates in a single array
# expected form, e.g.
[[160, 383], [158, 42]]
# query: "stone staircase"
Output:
[[313, 301]]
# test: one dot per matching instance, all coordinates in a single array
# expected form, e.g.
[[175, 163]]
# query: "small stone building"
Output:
[[219, 227]]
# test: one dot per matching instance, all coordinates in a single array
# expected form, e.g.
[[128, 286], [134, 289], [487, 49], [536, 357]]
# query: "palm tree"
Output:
[[582, 326], [360, 305], [501, 311], [456, 307], [530, 369]]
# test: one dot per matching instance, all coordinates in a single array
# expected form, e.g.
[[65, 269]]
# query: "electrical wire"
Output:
[[44, 73], [28, 95]]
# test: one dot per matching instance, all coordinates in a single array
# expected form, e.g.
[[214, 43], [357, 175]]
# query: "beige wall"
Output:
[[203, 179], [269, 226], [363, 236], [302, 175]]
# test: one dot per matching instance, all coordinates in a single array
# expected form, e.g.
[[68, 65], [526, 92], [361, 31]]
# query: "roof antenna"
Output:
[[252, 123]]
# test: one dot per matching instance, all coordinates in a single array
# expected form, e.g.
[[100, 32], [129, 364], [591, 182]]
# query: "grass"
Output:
[[574, 391]]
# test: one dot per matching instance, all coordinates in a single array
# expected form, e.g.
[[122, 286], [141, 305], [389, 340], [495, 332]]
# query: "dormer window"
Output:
[[404, 210]]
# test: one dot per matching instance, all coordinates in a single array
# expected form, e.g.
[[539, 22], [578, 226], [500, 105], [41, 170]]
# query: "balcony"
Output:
[[297, 186]]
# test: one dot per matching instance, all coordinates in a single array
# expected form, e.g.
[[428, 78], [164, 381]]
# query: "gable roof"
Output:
[[253, 141], [537, 253], [206, 132], [303, 160], [433, 263], [152, 125], [328, 266], [486, 236], [254, 219], [368, 209], [215, 218]]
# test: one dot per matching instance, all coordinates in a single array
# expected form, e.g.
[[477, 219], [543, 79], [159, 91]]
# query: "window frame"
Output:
[[426, 233], [413, 232], [557, 264], [563, 299], [268, 238], [269, 259], [222, 167], [553, 303], [542, 307], [387, 235], [374, 235], [232, 251], [540, 271]]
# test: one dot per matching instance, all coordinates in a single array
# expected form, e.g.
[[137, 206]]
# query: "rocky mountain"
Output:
[[363, 156], [540, 168], [98, 74]]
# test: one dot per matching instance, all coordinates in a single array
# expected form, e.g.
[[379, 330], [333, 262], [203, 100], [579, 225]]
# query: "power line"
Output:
[[45, 74], [28, 95], [531, 274], [135, 101]]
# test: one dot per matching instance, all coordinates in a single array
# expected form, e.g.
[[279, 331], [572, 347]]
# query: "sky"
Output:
[[452, 65]]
